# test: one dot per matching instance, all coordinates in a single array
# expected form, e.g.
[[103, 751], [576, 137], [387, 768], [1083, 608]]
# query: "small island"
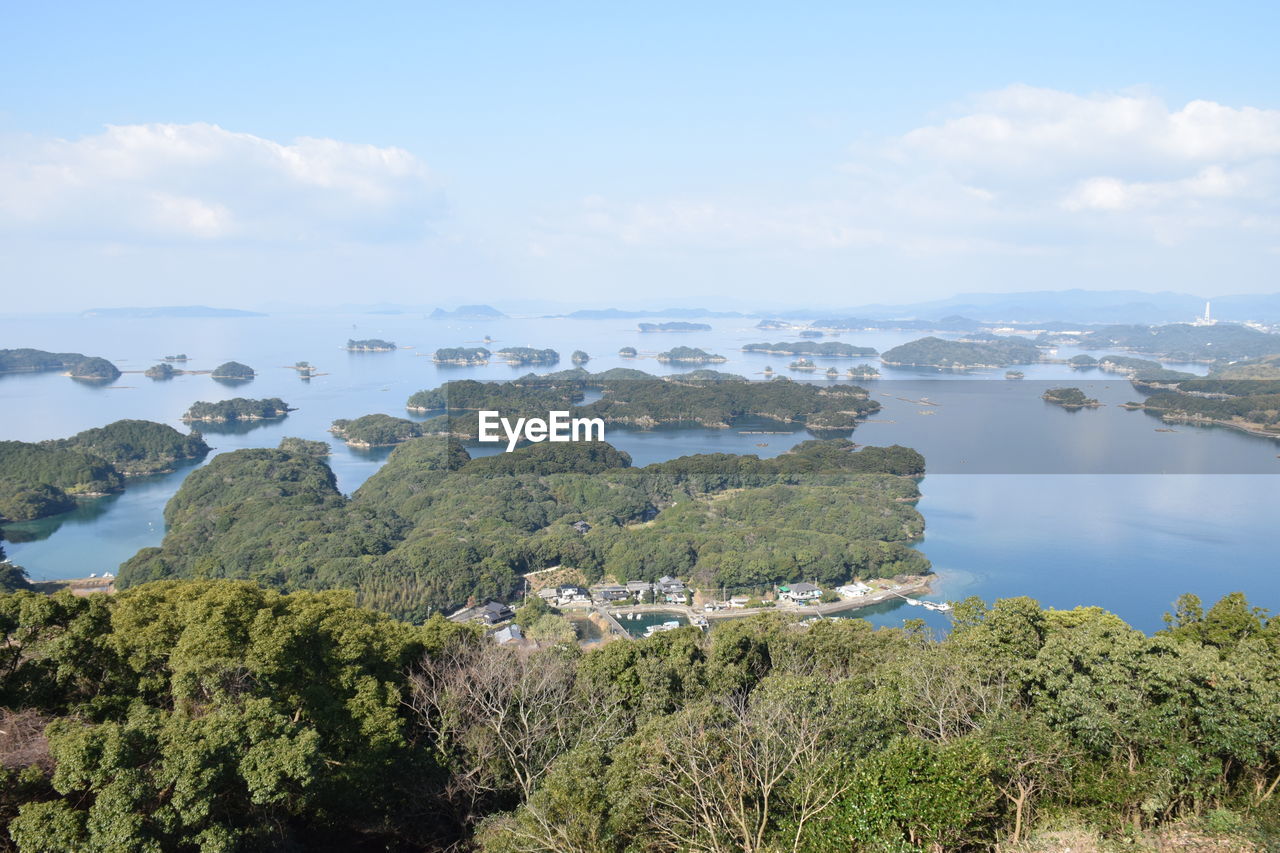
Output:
[[376, 430], [832, 373], [305, 447], [579, 357], [828, 349], [518, 356], [627, 352], [1081, 361], [1014, 374], [235, 371], [237, 409], [674, 326], [862, 371], [468, 312], [466, 356], [182, 356], [370, 345], [690, 355], [1069, 398], [811, 333], [803, 364]]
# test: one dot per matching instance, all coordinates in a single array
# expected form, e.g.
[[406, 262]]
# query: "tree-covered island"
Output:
[[690, 355], [76, 364], [521, 356], [674, 326], [237, 409], [375, 430], [370, 345], [1070, 398], [827, 349], [468, 356], [937, 352], [233, 370]]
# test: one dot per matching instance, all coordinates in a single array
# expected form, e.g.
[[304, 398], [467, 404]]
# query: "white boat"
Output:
[[914, 602]]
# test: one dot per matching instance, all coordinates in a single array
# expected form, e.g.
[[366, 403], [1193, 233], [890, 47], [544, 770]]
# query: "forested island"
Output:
[[375, 430], [519, 356], [936, 352], [674, 326], [182, 356], [237, 409], [1265, 367], [45, 478], [828, 349], [468, 356], [579, 357], [370, 345], [627, 352], [233, 370], [637, 399], [76, 364], [94, 369], [1185, 342], [1070, 398], [468, 312], [690, 355], [1249, 405]]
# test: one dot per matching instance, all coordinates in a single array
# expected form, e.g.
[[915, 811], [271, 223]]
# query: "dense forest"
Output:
[[233, 370], [827, 349], [163, 370], [433, 528], [1249, 404], [1069, 398], [37, 480], [518, 356], [237, 409], [461, 355], [34, 361], [690, 355], [375, 430], [936, 352], [217, 715], [1264, 367], [634, 398]]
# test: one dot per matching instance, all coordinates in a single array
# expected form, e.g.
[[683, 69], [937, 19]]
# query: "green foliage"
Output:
[[827, 349], [690, 355], [237, 408], [95, 369], [579, 357], [39, 479], [461, 355], [233, 370], [160, 371], [137, 448], [936, 352], [1254, 404], [1069, 398], [303, 446], [370, 345], [528, 355], [34, 360], [376, 430], [627, 352], [1185, 342]]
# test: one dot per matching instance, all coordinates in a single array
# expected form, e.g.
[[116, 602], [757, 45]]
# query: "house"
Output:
[[609, 592], [638, 588], [670, 588], [572, 595], [549, 594], [857, 589], [509, 634], [738, 602], [799, 593], [494, 612], [581, 526]]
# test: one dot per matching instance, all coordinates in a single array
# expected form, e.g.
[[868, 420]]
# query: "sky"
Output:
[[737, 154]]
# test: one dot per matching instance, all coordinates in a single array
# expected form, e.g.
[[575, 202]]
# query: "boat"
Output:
[[914, 602], [669, 625]]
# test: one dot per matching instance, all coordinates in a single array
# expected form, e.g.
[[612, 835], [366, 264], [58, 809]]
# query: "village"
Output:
[[611, 606]]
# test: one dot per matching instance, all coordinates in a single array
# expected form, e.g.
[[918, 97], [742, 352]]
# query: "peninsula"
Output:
[[962, 355]]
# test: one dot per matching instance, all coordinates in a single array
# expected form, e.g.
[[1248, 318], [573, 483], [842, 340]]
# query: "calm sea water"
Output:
[[1023, 498]]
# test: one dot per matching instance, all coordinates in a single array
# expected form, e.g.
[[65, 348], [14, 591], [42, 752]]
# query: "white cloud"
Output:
[[139, 183]]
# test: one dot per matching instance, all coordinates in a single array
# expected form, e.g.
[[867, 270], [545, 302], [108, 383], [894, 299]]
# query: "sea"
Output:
[[1098, 507]]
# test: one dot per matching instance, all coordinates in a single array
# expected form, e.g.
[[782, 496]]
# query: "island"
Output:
[[1069, 398], [828, 349], [579, 357], [1082, 361], [803, 364], [1247, 405], [1264, 367], [811, 333], [690, 355], [468, 312], [305, 447], [862, 371], [519, 356], [467, 356], [627, 352], [234, 370], [674, 326], [962, 355], [1219, 342], [370, 345], [164, 370], [182, 356], [169, 312], [375, 430], [137, 448], [1014, 374], [94, 370], [237, 409]]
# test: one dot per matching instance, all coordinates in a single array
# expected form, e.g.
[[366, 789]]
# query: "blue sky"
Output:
[[591, 153]]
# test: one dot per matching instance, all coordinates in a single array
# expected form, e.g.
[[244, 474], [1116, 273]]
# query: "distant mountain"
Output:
[[468, 312], [170, 311]]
